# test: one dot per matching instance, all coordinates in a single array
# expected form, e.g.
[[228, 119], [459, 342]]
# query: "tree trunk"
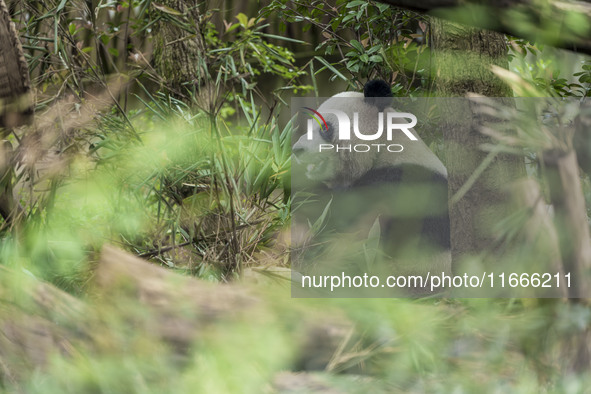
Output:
[[463, 56], [15, 103], [16, 107], [179, 50]]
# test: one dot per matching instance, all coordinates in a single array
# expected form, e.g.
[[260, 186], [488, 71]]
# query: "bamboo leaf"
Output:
[[330, 67]]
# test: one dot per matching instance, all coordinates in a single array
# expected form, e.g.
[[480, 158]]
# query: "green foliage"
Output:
[[367, 39], [239, 56], [404, 346], [540, 66], [214, 191], [213, 183], [584, 77], [72, 48]]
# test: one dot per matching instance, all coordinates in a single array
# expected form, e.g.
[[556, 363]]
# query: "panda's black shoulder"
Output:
[[404, 173]]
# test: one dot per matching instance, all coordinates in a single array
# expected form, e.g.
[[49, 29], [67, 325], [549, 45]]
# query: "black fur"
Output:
[[377, 92], [398, 223], [328, 135], [377, 88]]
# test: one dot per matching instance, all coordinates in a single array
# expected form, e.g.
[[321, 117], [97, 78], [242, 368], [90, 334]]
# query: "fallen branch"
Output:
[[520, 18]]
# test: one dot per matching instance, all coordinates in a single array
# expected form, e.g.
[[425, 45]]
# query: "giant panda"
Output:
[[404, 188]]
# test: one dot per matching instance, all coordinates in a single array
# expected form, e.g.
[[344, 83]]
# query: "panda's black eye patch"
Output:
[[327, 133]]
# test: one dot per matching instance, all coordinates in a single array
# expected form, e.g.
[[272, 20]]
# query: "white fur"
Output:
[[343, 168]]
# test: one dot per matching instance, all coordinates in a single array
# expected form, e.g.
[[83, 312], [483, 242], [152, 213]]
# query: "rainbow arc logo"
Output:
[[317, 117]]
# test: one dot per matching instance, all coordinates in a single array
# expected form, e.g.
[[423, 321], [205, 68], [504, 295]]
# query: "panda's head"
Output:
[[340, 167]]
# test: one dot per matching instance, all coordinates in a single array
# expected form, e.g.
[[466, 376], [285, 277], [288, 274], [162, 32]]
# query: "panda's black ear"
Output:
[[377, 88], [376, 92]]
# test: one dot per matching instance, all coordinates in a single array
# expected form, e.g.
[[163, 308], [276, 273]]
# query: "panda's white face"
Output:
[[319, 167], [322, 166], [327, 165]]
